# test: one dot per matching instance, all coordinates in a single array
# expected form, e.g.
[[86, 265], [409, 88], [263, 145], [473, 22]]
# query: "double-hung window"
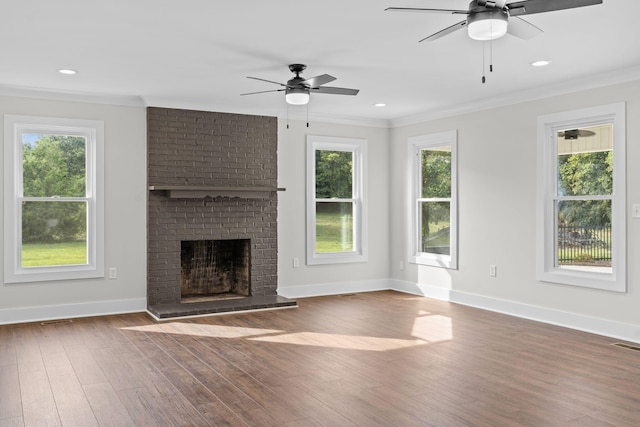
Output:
[[581, 198], [433, 200], [336, 207], [53, 223]]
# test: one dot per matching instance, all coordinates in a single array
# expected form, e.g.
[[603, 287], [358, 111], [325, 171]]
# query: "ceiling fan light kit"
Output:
[[487, 25], [297, 96]]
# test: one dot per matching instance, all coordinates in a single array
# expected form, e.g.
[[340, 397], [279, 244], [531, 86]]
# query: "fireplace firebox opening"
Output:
[[214, 269]]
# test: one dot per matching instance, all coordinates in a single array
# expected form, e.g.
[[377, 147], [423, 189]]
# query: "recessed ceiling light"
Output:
[[67, 71], [541, 63], [379, 104]]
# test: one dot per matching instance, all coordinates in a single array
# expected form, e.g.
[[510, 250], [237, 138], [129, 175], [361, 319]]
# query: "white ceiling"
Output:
[[197, 54]]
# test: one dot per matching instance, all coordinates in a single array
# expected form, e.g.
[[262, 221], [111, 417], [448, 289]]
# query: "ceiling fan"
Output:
[[297, 89], [489, 19], [573, 134]]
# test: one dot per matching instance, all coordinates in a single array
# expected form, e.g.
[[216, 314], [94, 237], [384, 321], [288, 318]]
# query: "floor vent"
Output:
[[56, 322], [627, 346]]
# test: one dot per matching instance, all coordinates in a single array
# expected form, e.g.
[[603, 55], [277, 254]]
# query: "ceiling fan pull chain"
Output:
[[491, 43], [483, 77], [307, 114], [287, 116], [491, 55]]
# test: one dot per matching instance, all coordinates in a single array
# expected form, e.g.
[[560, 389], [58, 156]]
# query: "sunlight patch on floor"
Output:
[[214, 331], [427, 328], [350, 342], [432, 328]]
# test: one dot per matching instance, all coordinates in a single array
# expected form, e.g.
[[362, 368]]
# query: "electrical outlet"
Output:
[[493, 270], [113, 273], [296, 262]]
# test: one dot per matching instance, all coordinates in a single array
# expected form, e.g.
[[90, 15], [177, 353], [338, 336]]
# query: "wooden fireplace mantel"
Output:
[[200, 192]]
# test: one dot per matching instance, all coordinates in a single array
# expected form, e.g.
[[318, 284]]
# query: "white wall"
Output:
[[336, 278], [497, 213], [125, 226]]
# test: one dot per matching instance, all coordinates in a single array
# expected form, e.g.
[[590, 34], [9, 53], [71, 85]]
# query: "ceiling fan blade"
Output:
[[522, 29], [268, 81], [335, 90], [446, 31], [416, 9], [262, 91], [530, 7], [319, 80]]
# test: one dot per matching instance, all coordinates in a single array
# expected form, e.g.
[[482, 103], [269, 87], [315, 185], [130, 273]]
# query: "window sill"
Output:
[[433, 260], [335, 258], [585, 279]]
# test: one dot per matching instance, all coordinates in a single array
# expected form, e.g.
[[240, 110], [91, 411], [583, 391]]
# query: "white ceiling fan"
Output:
[[489, 20]]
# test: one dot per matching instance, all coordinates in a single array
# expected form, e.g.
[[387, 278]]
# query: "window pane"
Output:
[[435, 220], [585, 161], [334, 227], [54, 233], [53, 165], [584, 235], [334, 174], [436, 172]]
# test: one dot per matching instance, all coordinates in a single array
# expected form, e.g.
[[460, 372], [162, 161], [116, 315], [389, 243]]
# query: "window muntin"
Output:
[[336, 210], [433, 207], [582, 198], [53, 199]]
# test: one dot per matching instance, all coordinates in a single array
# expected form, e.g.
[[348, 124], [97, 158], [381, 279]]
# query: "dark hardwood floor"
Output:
[[372, 359]]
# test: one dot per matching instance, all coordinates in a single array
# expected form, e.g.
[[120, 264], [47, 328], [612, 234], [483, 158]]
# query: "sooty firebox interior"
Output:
[[214, 269]]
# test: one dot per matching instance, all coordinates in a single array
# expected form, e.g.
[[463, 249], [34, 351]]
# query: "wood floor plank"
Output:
[[106, 405], [7, 346], [71, 402], [12, 422], [38, 404], [10, 402], [371, 359]]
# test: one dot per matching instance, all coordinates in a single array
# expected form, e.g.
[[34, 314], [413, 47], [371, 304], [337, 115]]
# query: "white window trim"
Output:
[[94, 130], [360, 227], [548, 126], [416, 144]]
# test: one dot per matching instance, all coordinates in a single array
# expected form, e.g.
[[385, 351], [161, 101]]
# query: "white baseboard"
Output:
[[334, 288], [67, 311], [421, 289], [609, 328], [594, 325], [581, 322]]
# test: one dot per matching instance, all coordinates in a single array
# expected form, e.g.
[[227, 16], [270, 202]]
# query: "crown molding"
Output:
[[562, 88], [71, 96]]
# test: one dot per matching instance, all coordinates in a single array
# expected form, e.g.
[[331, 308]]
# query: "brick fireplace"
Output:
[[212, 178]]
